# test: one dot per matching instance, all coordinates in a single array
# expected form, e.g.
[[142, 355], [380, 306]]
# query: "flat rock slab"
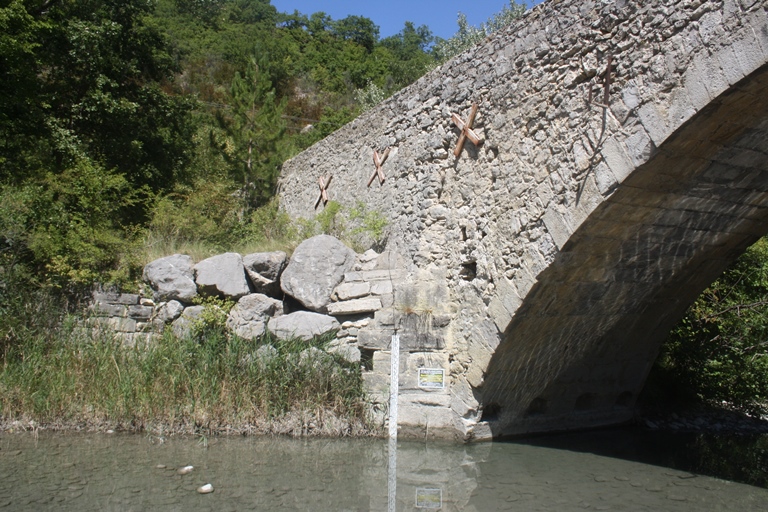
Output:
[[373, 275], [353, 307], [304, 325], [347, 291], [171, 278], [222, 275]]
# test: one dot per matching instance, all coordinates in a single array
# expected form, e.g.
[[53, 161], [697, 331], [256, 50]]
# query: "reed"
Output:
[[207, 383]]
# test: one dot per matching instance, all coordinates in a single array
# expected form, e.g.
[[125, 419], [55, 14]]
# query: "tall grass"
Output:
[[210, 383]]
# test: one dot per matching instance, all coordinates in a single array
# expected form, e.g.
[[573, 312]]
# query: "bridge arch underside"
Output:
[[578, 350]]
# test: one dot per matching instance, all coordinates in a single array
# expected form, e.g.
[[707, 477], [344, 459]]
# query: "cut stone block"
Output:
[[354, 307]]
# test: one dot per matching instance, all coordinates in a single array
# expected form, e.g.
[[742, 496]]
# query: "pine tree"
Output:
[[256, 129]]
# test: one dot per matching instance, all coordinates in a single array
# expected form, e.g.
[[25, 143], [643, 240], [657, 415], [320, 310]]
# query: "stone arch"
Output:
[[587, 332]]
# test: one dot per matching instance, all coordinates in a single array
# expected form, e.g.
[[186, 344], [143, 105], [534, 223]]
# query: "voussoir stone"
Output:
[[302, 324], [317, 266], [264, 270], [171, 278], [222, 275], [248, 318]]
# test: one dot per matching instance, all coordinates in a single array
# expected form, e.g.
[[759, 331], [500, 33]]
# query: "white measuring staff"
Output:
[[394, 385], [394, 389]]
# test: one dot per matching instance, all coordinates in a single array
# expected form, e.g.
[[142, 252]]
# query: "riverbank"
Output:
[[293, 424], [205, 384]]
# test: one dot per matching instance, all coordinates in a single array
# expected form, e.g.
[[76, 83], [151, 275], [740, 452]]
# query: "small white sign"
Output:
[[429, 498], [431, 378]]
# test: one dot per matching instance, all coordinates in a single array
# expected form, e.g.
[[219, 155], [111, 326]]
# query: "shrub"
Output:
[[718, 353]]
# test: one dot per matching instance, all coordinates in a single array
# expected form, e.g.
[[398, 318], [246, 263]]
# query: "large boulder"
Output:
[[248, 318], [222, 275], [303, 325], [264, 270], [317, 266], [171, 278]]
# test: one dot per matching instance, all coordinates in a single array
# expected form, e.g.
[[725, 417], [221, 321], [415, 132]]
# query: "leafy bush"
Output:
[[67, 229], [358, 226], [371, 225], [468, 36], [719, 351], [369, 96]]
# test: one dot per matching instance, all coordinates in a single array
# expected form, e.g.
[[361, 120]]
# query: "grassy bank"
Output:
[[209, 383]]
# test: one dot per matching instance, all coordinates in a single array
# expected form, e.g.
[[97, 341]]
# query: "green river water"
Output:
[[615, 470]]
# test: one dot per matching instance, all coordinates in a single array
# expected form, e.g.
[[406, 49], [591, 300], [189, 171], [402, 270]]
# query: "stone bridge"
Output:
[[623, 166]]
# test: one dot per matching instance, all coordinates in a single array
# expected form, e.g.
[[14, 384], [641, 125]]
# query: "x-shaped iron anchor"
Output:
[[378, 162], [323, 190], [466, 130]]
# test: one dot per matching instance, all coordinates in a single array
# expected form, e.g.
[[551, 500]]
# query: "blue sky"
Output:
[[390, 15]]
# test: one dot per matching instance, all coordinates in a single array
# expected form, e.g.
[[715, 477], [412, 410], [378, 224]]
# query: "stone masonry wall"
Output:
[[475, 231]]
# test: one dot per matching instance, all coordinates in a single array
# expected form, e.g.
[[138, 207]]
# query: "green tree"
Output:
[[719, 351], [88, 134], [411, 55], [256, 128], [359, 29], [92, 75]]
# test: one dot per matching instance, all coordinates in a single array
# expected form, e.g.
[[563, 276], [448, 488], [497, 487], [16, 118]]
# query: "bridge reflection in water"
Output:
[[608, 470]]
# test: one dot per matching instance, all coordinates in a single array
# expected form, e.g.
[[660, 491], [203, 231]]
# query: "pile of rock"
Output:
[[325, 286]]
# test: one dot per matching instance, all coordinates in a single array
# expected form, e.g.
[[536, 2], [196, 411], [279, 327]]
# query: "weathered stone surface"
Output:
[[103, 309], [302, 324], [375, 339], [182, 326], [264, 356], [264, 270], [382, 287], [222, 275], [349, 352], [317, 266], [373, 275], [122, 324], [248, 318], [169, 311], [347, 291], [354, 307], [140, 312], [171, 278]]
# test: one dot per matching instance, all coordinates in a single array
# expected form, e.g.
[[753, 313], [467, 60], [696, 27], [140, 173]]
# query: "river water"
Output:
[[615, 470]]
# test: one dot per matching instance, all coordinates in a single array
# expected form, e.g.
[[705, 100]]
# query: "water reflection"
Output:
[[127, 472]]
